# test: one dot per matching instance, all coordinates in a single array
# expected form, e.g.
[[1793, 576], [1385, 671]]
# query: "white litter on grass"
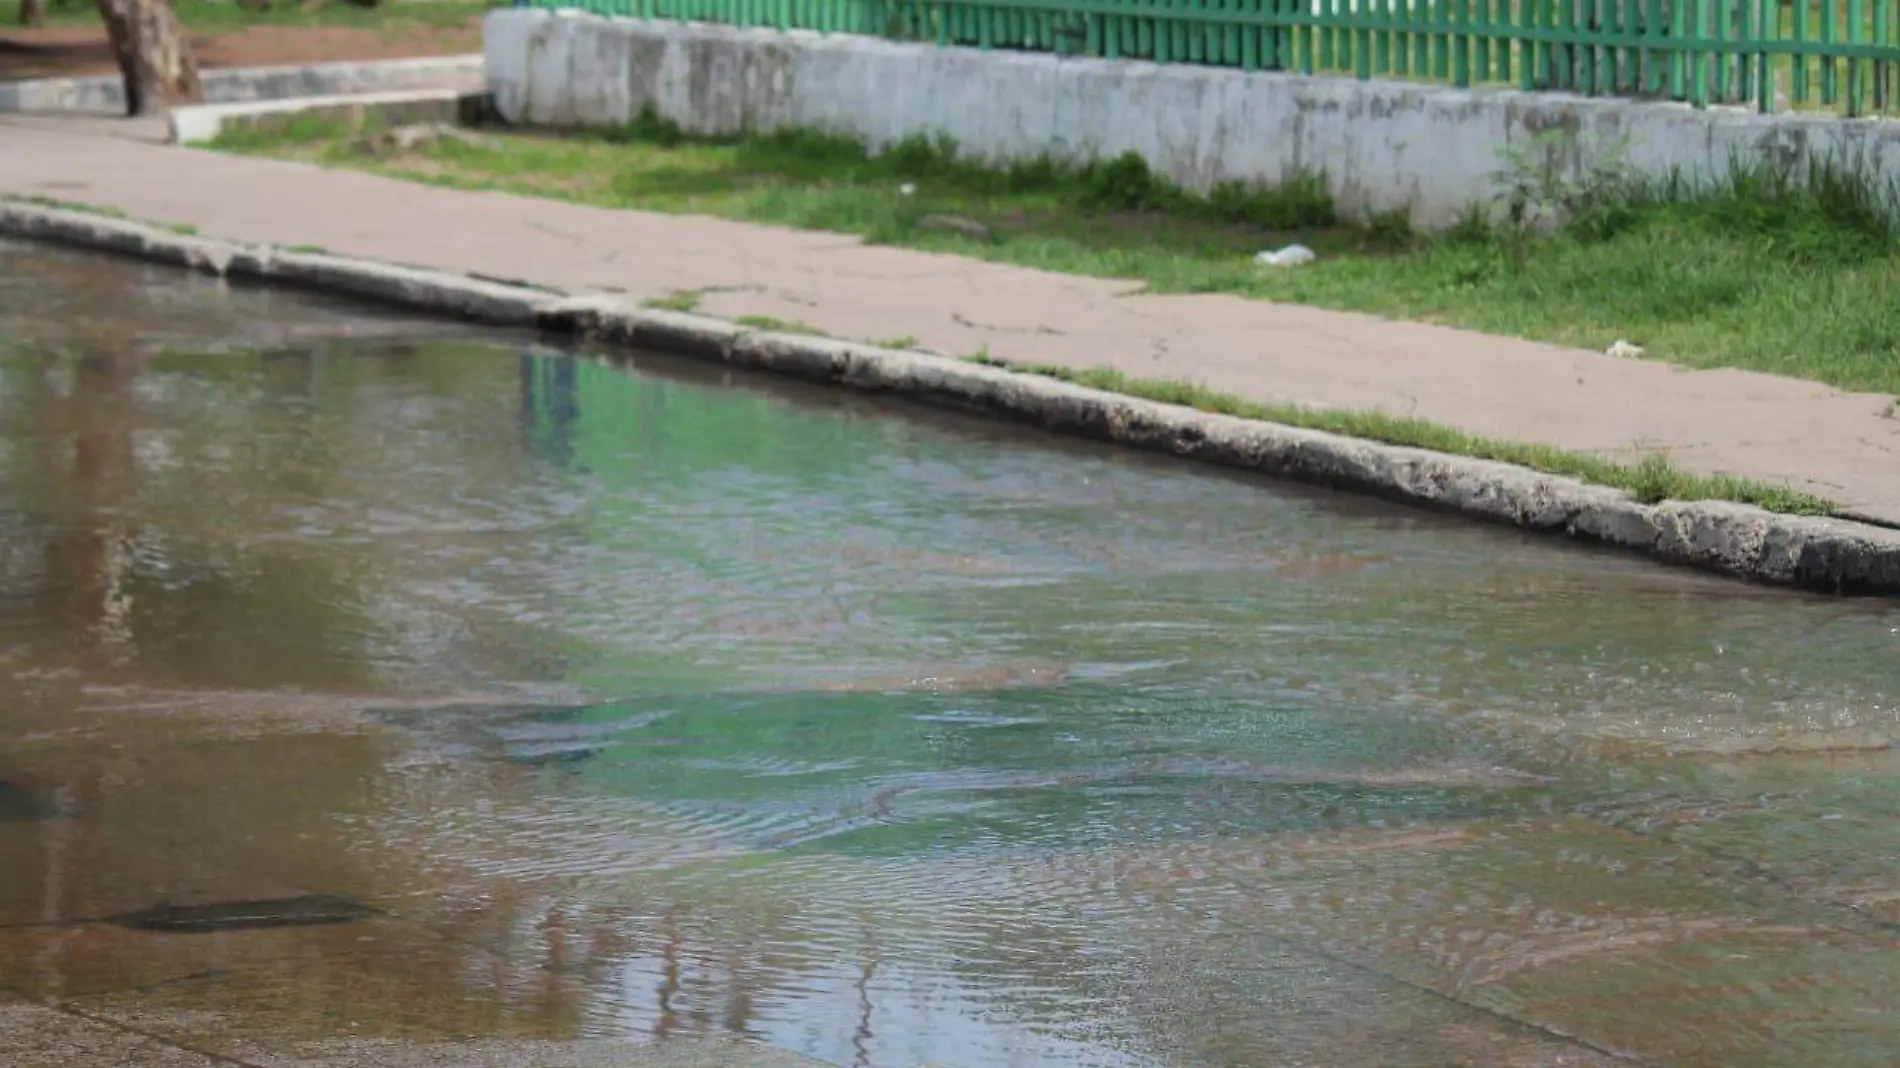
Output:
[[908, 189], [1290, 256], [1625, 349]]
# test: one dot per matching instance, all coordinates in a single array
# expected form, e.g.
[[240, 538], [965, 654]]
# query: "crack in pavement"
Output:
[[150, 1036], [963, 320], [573, 239]]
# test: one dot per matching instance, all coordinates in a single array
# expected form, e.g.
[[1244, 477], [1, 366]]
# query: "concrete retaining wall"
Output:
[[245, 84], [1383, 145]]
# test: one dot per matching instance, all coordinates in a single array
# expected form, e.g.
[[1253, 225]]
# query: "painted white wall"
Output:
[[1383, 146]]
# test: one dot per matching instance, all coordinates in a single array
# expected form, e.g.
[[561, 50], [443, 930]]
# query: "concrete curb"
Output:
[[200, 123], [242, 84], [1828, 555]]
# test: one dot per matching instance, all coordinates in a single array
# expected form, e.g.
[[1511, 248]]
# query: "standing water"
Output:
[[593, 700]]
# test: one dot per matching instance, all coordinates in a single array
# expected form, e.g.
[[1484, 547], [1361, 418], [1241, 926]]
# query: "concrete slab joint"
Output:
[[1380, 146], [1743, 541]]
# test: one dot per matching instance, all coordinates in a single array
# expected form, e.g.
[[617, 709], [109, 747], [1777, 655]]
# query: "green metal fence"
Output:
[[1837, 55]]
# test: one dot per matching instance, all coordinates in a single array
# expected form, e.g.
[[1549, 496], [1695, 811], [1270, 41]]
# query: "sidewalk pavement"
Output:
[[1844, 446]]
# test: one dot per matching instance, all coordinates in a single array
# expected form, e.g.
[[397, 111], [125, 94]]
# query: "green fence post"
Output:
[[1719, 55], [1828, 87], [1765, 33], [1883, 40], [1856, 35], [1363, 12], [1543, 18], [1616, 56], [1568, 59], [1384, 16], [1461, 47], [1481, 32], [1332, 55]]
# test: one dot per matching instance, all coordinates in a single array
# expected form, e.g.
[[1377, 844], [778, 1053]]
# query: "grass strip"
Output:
[[1652, 479]]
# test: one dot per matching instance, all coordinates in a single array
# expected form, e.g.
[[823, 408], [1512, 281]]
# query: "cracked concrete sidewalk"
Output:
[[1778, 430]]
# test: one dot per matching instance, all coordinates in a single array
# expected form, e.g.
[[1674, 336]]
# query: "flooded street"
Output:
[[370, 685]]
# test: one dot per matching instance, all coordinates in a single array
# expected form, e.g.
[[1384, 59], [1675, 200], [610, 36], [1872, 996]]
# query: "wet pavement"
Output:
[[634, 713], [41, 1035]]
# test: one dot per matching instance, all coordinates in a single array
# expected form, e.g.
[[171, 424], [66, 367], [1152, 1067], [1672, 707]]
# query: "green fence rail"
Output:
[[1837, 55]]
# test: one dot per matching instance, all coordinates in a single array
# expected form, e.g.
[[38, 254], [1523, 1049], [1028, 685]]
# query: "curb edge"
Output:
[[1743, 541]]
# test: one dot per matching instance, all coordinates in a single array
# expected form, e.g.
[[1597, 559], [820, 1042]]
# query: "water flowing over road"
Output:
[[631, 700]]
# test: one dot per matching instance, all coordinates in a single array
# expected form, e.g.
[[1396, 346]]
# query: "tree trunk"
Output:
[[32, 12], [154, 55]]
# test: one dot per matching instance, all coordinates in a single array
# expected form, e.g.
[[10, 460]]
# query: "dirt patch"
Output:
[[76, 51]]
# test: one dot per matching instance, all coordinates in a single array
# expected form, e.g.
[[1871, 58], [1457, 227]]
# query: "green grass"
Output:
[[782, 326], [212, 15], [1650, 480], [64, 205], [680, 300], [181, 229]]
